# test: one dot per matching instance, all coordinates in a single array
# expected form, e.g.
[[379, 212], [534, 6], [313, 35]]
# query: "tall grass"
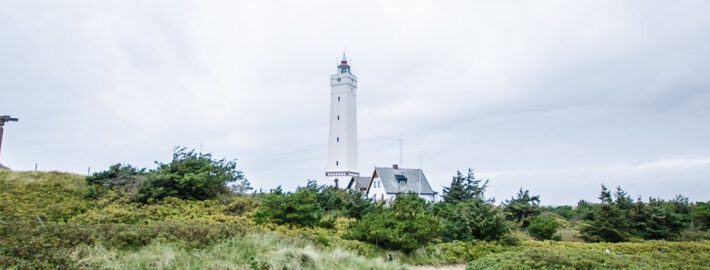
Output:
[[256, 251]]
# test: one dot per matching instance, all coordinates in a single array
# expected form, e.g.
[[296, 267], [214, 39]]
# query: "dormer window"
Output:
[[401, 179]]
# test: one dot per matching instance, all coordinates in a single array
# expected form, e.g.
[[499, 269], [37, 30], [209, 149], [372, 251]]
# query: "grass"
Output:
[[256, 251]]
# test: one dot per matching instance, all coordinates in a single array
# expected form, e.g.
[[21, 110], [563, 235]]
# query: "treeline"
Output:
[[618, 218], [408, 222]]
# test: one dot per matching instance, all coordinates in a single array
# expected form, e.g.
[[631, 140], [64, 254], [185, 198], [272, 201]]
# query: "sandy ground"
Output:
[[445, 267]]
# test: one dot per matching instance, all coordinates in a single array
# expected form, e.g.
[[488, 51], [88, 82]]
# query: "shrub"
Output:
[[299, 208], [343, 203], [472, 220], [193, 176], [241, 205], [565, 255], [46, 196], [170, 209], [119, 176], [406, 225], [543, 227]]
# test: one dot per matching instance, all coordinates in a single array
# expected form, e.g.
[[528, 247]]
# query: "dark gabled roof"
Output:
[[359, 182], [393, 180]]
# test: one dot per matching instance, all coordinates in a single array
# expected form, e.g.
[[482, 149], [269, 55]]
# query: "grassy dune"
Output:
[[51, 220], [256, 251]]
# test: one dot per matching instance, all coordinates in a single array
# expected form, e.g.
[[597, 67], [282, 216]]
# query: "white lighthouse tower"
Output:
[[342, 138]]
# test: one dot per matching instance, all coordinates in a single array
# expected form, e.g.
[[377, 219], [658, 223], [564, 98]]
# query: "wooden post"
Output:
[[3, 120]]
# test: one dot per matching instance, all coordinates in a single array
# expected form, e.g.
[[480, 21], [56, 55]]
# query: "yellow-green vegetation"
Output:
[[55, 220], [256, 251], [51, 196], [570, 255], [51, 220]]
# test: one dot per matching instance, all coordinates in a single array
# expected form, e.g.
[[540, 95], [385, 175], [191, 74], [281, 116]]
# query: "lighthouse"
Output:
[[342, 136]]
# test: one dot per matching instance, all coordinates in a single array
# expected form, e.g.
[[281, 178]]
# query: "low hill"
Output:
[[51, 220]]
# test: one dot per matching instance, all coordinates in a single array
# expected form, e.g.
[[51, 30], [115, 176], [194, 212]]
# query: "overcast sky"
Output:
[[554, 96]]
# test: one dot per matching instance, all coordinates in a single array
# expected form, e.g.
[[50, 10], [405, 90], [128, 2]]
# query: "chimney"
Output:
[[395, 166]]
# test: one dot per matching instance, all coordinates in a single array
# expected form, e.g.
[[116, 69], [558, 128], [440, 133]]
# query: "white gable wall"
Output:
[[377, 192]]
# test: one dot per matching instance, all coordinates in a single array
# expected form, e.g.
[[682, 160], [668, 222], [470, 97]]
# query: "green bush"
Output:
[[343, 203], [121, 210], [299, 208], [406, 225], [192, 176], [456, 252], [472, 220], [119, 176], [565, 255], [241, 205], [543, 227]]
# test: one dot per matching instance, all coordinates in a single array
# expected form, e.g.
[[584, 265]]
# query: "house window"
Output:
[[338, 98], [336, 163], [338, 117], [338, 79], [337, 139]]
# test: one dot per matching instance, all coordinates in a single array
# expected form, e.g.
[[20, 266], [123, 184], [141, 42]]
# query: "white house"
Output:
[[386, 183]]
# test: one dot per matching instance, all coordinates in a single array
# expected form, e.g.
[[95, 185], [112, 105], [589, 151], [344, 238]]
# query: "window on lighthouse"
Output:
[[337, 139], [338, 98], [338, 117], [336, 163]]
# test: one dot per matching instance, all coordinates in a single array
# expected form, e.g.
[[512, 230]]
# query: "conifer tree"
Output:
[[465, 187], [522, 207], [466, 212], [607, 223]]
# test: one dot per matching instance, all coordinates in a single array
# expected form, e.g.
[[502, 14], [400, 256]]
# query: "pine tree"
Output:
[[467, 214], [521, 208], [465, 188], [623, 202], [607, 223], [455, 192]]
